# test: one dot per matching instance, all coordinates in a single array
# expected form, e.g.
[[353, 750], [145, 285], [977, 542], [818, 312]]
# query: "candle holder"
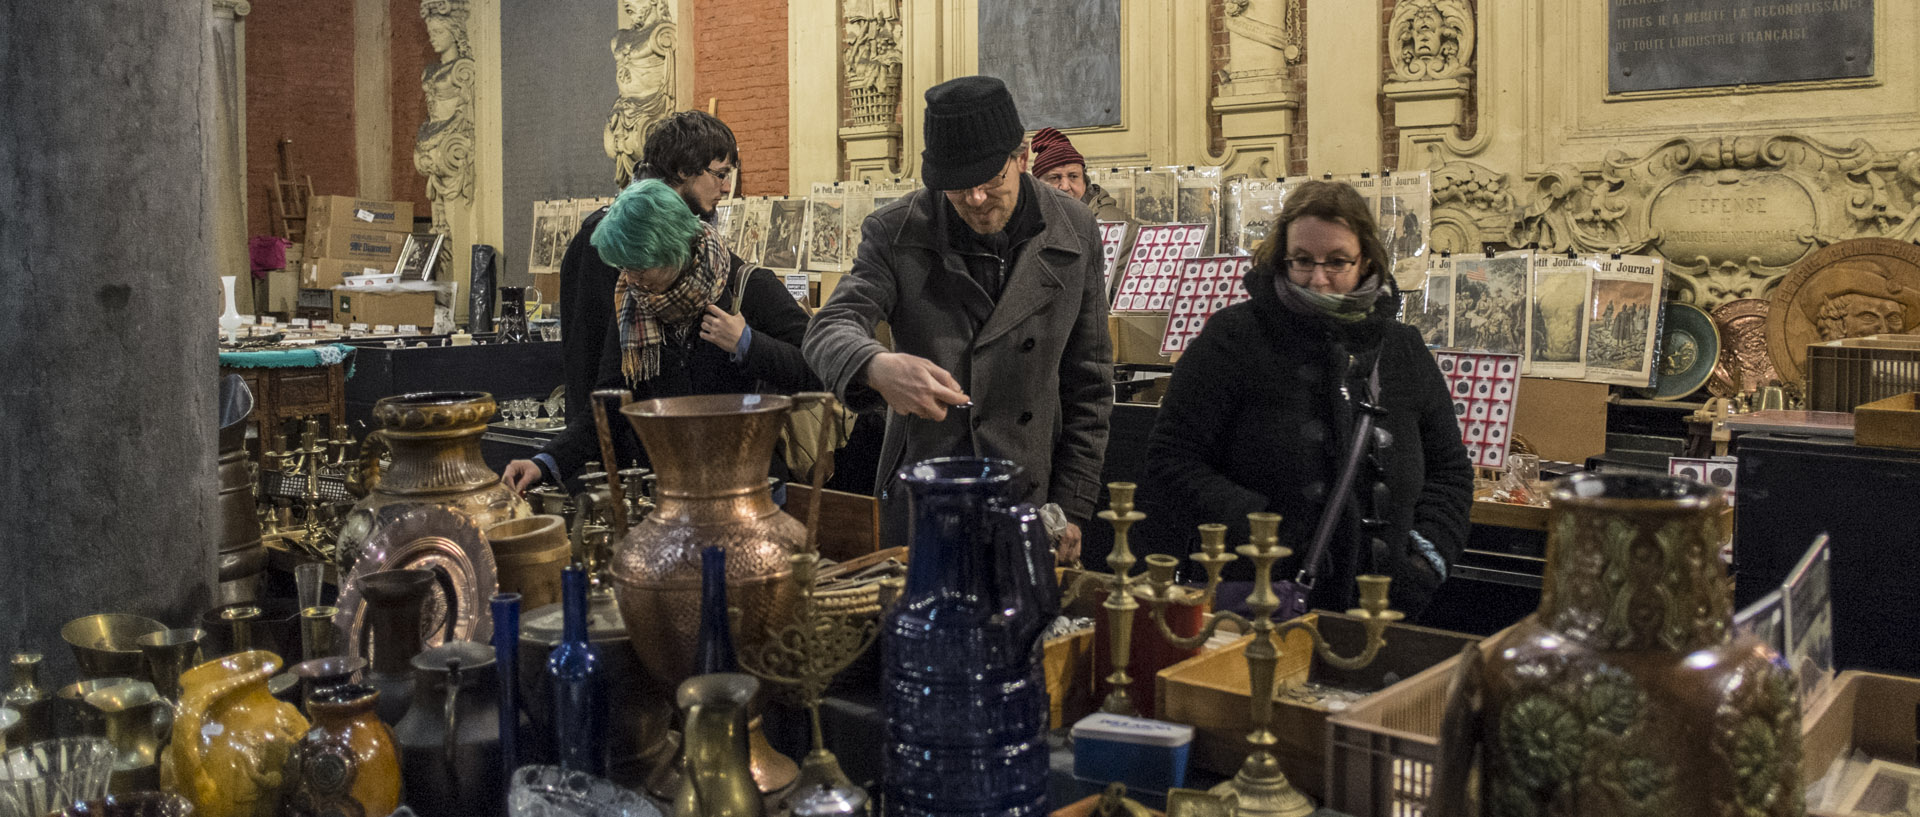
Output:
[[1120, 603], [806, 654], [1260, 788]]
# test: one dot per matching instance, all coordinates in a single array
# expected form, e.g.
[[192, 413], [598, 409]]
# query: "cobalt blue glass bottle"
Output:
[[964, 696], [579, 685], [713, 651], [506, 654]]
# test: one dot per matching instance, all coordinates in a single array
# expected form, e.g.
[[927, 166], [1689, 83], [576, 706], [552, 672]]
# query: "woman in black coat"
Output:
[[1261, 410], [676, 330]]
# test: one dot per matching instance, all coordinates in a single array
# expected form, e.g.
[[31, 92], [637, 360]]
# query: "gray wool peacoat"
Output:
[[1038, 365]]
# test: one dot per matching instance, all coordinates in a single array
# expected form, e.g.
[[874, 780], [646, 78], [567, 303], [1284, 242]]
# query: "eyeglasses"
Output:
[[1333, 266], [722, 174]]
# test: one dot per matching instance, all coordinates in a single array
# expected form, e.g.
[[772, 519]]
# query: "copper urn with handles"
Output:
[[434, 440], [710, 456]]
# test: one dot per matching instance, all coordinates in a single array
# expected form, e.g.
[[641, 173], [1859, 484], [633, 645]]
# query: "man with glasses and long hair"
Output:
[[992, 285]]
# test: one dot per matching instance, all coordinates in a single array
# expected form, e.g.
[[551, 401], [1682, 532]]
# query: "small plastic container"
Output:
[[1147, 755]]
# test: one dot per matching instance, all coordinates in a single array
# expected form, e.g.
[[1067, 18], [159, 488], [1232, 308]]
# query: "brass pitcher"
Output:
[[137, 719], [717, 778], [434, 439], [710, 453]]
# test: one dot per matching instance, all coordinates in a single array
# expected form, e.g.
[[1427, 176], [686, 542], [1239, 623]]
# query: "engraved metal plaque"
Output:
[[1657, 45], [1060, 58]]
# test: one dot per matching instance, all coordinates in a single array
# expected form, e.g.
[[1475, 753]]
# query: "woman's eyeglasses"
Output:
[[1333, 266]]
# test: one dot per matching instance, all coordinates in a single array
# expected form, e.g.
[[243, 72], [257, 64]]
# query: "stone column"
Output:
[[227, 147], [108, 324]]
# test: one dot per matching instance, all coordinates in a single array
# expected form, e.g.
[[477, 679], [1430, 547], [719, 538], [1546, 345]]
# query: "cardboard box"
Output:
[[374, 247], [828, 280], [327, 273], [1564, 420], [364, 214], [1136, 338], [1872, 713], [376, 307], [282, 287], [1890, 423]]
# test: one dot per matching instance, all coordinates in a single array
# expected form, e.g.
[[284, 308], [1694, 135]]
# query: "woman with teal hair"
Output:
[[683, 325]]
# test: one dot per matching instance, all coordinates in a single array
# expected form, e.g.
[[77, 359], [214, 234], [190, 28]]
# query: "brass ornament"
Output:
[[1854, 288], [1745, 364]]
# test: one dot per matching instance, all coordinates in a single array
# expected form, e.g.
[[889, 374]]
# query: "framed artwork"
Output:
[[754, 213], [786, 226], [1490, 302], [1807, 597], [419, 256], [1404, 213], [1426, 304], [554, 223]]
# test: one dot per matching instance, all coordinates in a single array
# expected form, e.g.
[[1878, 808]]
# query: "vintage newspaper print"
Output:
[[888, 191], [1426, 303], [1257, 206], [554, 223], [1557, 327], [785, 227], [1623, 320], [1490, 302], [859, 205], [1807, 597], [826, 234], [1198, 202], [1404, 213], [753, 228], [1117, 182], [1154, 196], [726, 219]]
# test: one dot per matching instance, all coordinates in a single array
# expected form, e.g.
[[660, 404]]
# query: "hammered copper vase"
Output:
[[434, 440], [710, 455], [1627, 692]]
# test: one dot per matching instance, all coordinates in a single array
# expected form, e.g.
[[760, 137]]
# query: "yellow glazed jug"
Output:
[[231, 737]]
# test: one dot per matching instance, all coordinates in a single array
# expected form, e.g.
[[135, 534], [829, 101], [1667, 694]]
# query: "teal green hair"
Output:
[[648, 226]]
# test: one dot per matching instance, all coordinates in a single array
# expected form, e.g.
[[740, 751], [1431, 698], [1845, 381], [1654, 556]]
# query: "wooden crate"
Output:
[[1873, 713], [1210, 693], [1070, 677], [1893, 422]]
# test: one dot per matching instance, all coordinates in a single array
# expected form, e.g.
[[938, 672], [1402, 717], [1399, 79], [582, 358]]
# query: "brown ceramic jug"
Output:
[[1627, 692], [434, 439], [710, 455], [348, 763], [231, 738]]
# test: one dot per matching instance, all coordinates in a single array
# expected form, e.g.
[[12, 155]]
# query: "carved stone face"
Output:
[[440, 34], [1426, 32], [1855, 315]]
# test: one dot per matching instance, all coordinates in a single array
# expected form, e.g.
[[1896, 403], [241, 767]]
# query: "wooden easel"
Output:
[[290, 194]]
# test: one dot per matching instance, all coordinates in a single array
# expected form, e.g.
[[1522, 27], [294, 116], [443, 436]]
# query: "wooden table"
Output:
[[290, 393]]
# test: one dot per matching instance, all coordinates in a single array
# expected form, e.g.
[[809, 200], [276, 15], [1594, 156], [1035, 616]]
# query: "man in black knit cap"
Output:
[[992, 285]]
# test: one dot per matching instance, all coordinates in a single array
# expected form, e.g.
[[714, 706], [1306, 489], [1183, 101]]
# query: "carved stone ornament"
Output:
[[1731, 215], [1263, 38], [644, 58], [873, 61], [443, 150], [1430, 39]]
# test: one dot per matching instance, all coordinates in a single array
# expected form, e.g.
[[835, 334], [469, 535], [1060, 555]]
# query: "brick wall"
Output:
[[410, 55], [740, 58], [300, 86]]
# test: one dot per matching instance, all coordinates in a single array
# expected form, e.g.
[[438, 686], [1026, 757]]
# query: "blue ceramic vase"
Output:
[[965, 700], [578, 676], [506, 653]]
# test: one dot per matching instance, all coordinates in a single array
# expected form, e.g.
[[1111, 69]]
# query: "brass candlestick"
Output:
[[1120, 604], [1260, 787], [806, 654]]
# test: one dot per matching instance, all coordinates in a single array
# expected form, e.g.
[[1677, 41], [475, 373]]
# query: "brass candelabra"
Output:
[[309, 462], [1260, 788], [1120, 603], [806, 654]]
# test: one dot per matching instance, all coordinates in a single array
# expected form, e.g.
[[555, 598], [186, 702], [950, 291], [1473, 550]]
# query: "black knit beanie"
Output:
[[971, 128]]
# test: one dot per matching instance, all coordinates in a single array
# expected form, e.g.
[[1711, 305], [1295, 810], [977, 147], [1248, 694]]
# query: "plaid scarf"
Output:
[[647, 320]]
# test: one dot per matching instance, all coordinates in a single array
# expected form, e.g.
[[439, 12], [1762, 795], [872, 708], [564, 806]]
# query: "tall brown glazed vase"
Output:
[[434, 438], [1627, 692], [710, 455]]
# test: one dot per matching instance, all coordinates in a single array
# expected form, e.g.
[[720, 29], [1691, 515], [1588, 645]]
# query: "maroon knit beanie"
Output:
[[1051, 149]]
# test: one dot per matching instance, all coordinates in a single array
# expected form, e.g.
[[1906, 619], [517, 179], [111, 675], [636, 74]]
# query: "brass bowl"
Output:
[[107, 644]]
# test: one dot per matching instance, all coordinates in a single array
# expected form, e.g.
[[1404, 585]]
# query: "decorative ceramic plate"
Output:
[[1689, 349], [434, 538], [1743, 348]]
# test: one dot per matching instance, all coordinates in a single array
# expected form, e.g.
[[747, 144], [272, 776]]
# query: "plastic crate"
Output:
[[1381, 751], [1842, 374]]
